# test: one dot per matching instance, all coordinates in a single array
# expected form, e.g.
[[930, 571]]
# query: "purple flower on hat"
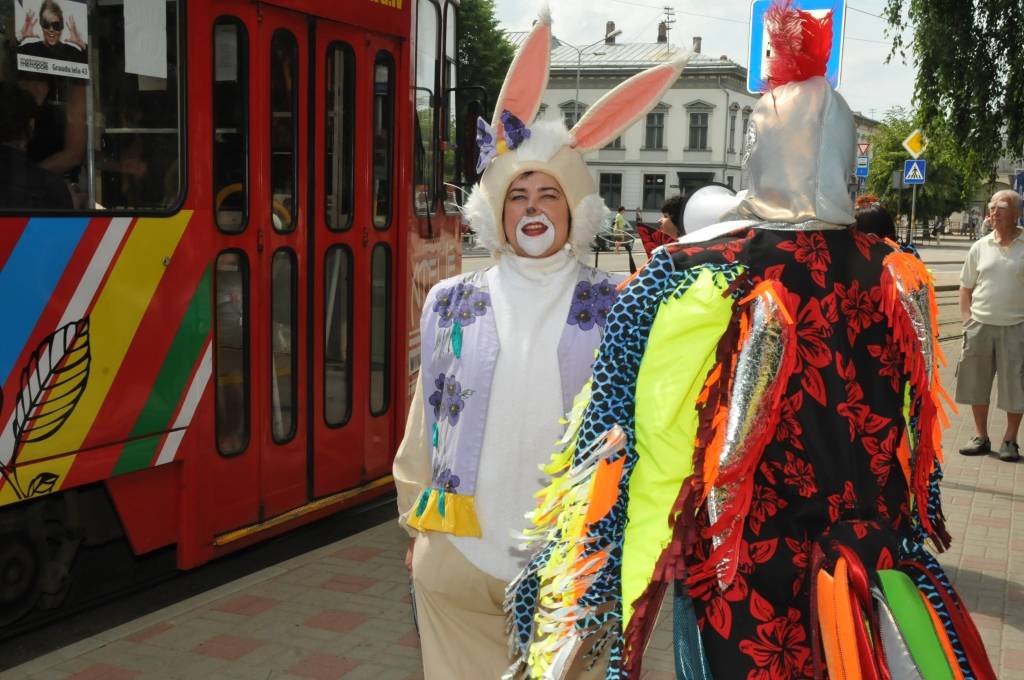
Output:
[[485, 134], [515, 131]]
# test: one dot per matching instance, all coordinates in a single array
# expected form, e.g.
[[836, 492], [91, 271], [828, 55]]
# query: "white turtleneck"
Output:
[[530, 298]]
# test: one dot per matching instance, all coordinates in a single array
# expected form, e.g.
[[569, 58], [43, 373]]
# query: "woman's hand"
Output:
[[73, 36], [408, 556], [28, 28]]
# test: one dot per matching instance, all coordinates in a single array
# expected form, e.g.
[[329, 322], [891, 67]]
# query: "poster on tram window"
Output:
[[52, 36]]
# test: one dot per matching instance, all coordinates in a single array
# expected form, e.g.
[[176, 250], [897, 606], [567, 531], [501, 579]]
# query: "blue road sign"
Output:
[[862, 171], [759, 46], [914, 171]]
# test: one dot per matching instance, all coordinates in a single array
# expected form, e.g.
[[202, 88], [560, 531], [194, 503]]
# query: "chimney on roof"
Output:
[[609, 28], [662, 32], [696, 44]]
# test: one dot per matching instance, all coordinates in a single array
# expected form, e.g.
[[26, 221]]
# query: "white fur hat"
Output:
[[547, 146]]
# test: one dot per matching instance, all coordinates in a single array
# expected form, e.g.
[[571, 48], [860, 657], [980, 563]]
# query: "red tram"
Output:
[[218, 222]]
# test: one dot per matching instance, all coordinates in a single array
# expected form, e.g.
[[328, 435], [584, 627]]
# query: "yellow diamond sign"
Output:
[[915, 144]]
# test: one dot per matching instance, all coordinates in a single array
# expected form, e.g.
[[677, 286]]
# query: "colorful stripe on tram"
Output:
[[105, 350]]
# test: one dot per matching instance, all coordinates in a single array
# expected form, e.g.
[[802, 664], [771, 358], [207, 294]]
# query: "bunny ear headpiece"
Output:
[[512, 143]]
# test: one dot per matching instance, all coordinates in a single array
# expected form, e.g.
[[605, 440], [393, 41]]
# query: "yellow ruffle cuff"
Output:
[[450, 513]]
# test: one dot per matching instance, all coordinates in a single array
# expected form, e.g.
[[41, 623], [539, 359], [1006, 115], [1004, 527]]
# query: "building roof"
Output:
[[620, 56]]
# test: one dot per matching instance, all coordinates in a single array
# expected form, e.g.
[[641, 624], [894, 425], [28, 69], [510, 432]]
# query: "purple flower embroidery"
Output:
[[448, 399], [436, 396], [447, 480], [460, 304], [590, 304]]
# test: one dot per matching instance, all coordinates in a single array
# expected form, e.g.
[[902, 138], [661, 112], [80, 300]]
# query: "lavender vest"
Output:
[[460, 347]]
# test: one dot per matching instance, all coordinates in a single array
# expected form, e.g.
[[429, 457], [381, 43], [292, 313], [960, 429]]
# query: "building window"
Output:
[[728, 181], [732, 131], [699, 130], [654, 133], [746, 126], [654, 192], [611, 189], [615, 143], [570, 117]]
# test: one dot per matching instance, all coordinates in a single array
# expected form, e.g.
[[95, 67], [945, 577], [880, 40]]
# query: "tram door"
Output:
[[355, 222], [280, 208]]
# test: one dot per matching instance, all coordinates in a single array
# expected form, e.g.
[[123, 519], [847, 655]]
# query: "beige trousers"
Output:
[[461, 621]]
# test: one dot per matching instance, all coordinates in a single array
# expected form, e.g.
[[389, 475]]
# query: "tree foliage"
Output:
[[948, 184], [484, 53], [970, 73]]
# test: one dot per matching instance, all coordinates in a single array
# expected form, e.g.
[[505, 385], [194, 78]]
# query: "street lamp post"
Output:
[[579, 66]]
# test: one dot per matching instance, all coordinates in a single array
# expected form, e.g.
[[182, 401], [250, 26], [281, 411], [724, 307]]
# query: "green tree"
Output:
[[484, 53], [947, 185], [970, 74]]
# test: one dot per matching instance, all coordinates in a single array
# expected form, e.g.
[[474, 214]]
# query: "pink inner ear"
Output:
[[524, 88], [600, 125]]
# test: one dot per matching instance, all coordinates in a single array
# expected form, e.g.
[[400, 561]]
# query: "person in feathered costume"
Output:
[[504, 351], [762, 432]]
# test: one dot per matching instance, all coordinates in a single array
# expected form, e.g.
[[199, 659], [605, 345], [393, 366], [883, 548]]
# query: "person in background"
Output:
[[23, 184], [874, 219], [619, 227], [992, 309], [668, 226]]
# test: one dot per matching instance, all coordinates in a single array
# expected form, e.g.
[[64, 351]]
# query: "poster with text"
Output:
[[52, 37]]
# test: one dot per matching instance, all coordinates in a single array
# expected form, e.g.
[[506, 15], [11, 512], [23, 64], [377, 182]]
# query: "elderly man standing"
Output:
[[992, 307]]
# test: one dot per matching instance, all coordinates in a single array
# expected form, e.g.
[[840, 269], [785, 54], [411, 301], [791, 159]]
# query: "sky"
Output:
[[869, 84]]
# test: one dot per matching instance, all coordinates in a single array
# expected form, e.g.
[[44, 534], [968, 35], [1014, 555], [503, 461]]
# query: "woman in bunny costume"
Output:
[[505, 350]]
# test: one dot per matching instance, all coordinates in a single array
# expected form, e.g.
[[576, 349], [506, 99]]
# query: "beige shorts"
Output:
[[461, 619], [989, 351]]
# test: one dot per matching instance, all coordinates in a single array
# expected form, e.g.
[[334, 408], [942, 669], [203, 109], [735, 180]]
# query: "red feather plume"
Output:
[[801, 43]]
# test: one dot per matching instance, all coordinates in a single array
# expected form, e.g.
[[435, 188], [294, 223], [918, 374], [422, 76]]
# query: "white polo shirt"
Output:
[[996, 274]]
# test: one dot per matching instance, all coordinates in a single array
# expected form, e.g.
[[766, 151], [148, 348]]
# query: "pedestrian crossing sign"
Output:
[[914, 171]]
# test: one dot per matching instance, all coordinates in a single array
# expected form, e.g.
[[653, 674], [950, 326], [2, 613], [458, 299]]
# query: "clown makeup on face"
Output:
[[536, 216]]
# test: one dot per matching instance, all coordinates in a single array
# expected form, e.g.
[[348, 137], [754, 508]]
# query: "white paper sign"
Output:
[[145, 37], [52, 37]]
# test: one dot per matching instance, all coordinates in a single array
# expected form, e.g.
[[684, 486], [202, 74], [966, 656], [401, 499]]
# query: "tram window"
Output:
[[232, 359], [340, 123], [380, 329], [337, 335], [451, 151], [91, 115], [427, 31], [283, 369], [383, 137], [284, 131], [231, 124]]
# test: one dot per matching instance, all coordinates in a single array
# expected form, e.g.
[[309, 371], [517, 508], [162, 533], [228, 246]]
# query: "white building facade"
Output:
[[695, 136]]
